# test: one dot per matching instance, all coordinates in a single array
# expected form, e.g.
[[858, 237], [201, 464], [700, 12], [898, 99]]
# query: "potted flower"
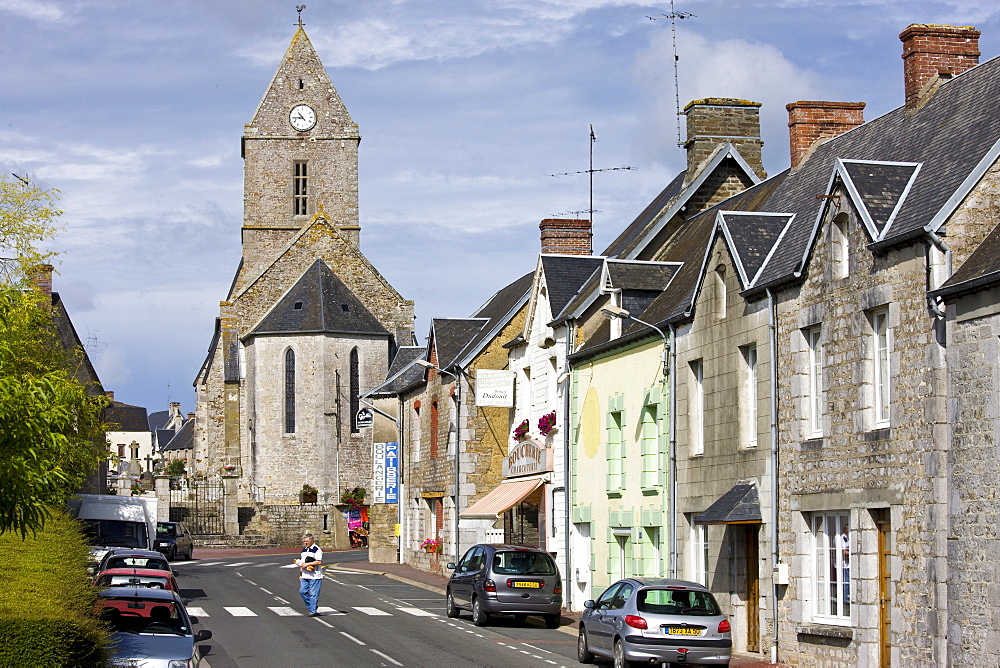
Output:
[[354, 498], [432, 546], [521, 430], [229, 468], [308, 494], [547, 423]]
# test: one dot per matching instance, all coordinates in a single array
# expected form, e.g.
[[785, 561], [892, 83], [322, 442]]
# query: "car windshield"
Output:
[[166, 530], [677, 602], [115, 533], [523, 562], [136, 615], [137, 562], [125, 580]]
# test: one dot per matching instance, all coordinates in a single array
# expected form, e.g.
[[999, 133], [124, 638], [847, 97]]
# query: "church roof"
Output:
[[319, 303], [403, 374]]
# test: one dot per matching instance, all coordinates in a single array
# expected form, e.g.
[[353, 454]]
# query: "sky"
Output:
[[466, 108]]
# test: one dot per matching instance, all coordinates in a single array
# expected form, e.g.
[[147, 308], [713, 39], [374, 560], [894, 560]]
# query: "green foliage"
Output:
[[28, 215], [46, 600], [176, 467]]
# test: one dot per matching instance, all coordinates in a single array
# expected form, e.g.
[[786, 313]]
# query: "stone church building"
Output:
[[309, 324]]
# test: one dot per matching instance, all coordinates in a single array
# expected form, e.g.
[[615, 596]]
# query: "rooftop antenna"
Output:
[[673, 16], [593, 138], [299, 9]]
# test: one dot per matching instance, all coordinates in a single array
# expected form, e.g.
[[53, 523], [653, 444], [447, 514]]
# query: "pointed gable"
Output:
[[751, 237], [878, 189], [319, 302], [564, 276]]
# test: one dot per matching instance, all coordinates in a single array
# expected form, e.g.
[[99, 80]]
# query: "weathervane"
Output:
[[299, 9], [593, 138], [673, 16]]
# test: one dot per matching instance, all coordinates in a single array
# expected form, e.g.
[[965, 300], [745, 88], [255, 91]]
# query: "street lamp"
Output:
[[612, 311], [458, 440]]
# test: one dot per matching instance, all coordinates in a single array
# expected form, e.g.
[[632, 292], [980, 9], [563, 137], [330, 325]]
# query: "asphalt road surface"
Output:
[[253, 608]]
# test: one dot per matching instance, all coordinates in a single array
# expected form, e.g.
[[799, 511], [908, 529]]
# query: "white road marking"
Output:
[[197, 612], [289, 566], [329, 626], [239, 563], [208, 563], [251, 582], [240, 612], [280, 600], [269, 563], [266, 591], [323, 610], [386, 657], [350, 637], [374, 612], [418, 612], [285, 612]]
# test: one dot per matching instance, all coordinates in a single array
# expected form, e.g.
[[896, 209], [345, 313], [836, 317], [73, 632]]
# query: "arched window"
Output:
[[289, 391], [355, 391], [434, 429]]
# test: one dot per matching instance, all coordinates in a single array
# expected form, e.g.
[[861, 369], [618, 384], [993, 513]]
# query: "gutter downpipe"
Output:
[[672, 446], [772, 331], [940, 244], [570, 584], [458, 463]]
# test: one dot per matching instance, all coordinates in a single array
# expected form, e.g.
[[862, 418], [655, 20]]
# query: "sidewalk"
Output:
[[437, 583]]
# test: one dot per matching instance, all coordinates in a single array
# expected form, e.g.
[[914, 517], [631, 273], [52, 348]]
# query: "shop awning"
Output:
[[737, 506], [507, 494]]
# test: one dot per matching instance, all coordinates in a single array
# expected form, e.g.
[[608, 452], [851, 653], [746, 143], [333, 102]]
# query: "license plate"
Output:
[[683, 631], [527, 585]]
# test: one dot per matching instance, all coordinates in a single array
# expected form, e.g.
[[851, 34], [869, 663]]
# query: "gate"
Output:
[[200, 507]]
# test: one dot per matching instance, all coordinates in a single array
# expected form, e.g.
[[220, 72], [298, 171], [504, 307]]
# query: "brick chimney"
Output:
[[110, 394], [810, 121], [566, 236], [190, 416], [41, 276], [712, 122], [935, 52]]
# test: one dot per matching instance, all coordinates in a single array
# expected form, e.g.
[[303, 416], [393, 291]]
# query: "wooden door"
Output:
[[753, 587], [884, 586]]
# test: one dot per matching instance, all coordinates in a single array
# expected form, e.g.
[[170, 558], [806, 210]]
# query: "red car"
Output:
[[148, 578]]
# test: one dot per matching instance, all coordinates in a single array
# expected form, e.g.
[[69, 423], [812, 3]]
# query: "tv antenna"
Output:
[[591, 171], [673, 16]]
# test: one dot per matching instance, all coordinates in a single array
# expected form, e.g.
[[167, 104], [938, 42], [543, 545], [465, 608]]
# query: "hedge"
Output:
[[46, 601]]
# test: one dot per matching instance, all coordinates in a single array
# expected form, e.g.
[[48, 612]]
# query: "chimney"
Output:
[[567, 236], [715, 121], [810, 122], [175, 409], [41, 276], [190, 416], [110, 394], [932, 53]]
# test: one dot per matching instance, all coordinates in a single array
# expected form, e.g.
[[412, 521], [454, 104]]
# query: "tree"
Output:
[[51, 431]]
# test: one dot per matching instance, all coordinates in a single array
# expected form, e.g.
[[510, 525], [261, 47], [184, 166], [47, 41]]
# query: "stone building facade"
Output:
[[309, 324]]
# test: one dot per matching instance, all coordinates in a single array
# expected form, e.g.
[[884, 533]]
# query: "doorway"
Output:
[[884, 526], [752, 566]]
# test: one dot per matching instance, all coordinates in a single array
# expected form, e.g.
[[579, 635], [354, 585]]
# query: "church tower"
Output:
[[300, 153], [309, 324]]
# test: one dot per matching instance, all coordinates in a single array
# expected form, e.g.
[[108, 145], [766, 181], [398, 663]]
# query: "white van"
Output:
[[115, 521]]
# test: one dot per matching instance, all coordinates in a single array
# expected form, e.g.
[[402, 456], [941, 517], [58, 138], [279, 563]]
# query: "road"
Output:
[[252, 606]]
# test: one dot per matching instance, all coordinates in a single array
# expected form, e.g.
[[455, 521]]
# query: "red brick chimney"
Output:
[[810, 121], [41, 276], [566, 236], [110, 394], [190, 416], [934, 52]]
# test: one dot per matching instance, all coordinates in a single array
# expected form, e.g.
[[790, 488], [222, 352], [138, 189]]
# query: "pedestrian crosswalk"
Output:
[[326, 611]]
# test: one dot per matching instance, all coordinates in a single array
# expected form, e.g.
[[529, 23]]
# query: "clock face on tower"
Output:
[[302, 117]]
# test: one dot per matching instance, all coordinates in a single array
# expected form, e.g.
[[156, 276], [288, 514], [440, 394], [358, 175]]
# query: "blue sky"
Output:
[[134, 111]]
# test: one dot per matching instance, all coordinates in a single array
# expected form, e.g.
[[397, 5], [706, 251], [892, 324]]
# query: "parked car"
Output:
[[174, 540], [125, 558], [506, 579], [150, 627], [659, 620], [136, 577]]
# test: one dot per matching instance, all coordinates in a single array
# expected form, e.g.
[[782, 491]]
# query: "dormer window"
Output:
[[297, 306]]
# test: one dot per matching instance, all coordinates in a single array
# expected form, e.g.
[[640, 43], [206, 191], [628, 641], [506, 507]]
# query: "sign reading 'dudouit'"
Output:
[[494, 388]]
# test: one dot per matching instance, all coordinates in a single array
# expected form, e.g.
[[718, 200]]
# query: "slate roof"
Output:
[[740, 505], [640, 281], [980, 271], [403, 373], [127, 417], [450, 336], [183, 439], [319, 302], [158, 419], [84, 371], [565, 275], [498, 311], [163, 436]]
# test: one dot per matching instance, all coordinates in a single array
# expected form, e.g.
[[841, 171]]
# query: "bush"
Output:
[[46, 601], [176, 467]]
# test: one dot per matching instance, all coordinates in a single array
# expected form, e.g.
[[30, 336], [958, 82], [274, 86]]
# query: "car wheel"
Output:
[[553, 621], [620, 660], [449, 607], [172, 555], [583, 653], [479, 616]]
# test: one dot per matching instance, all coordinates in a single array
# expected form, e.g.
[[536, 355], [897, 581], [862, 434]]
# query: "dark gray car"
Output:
[[507, 579], [655, 620], [174, 540]]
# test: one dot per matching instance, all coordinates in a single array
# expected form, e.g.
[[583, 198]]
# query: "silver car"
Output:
[[149, 628], [655, 620]]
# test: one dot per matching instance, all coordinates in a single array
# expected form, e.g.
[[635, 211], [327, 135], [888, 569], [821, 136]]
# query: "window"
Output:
[[622, 543], [415, 426], [121, 450], [300, 188], [434, 429], [880, 366], [135, 452], [720, 291], [650, 448], [839, 247], [289, 391], [615, 453], [650, 563], [242, 360], [815, 411], [749, 429], [696, 408], [355, 390], [832, 566], [699, 553]]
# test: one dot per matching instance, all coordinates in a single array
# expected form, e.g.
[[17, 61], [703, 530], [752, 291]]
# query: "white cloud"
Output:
[[32, 9]]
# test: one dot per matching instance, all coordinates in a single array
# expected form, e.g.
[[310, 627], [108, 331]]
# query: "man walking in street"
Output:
[[310, 564]]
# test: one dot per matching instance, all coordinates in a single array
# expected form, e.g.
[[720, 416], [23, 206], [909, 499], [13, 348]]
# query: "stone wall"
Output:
[[286, 524], [383, 543]]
